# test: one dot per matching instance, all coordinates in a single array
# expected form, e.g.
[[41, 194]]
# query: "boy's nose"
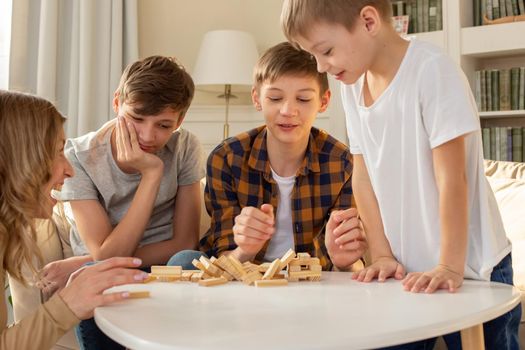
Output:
[[288, 108], [147, 133], [322, 66]]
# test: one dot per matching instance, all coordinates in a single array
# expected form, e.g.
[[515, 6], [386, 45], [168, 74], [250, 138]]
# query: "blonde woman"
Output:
[[32, 164]]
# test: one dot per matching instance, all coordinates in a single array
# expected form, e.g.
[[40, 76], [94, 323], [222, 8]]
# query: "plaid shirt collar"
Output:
[[258, 159]]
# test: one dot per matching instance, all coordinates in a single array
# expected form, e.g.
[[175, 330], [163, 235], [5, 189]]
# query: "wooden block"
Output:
[[305, 261], [316, 268], [303, 274], [138, 294], [314, 278], [271, 283], [213, 260], [210, 268], [287, 257], [149, 279], [168, 278], [237, 264], [186, 275], [279, 276], [294, 268], [196, 276], [303, 255], [226, 275], [248, 266], [198, 265], [213, 281], [166, 270], [264, 267], [225, 264], [251, 277], [272, 270]]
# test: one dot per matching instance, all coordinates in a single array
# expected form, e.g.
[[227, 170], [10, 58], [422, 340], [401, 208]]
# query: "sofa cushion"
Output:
[[510, 195]]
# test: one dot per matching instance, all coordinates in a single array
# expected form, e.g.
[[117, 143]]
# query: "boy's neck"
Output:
[[285, 159], [389, 56]]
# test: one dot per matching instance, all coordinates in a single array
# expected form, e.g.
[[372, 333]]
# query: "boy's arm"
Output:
[[186, 224], [384, 264], [449, 169], [102, 240]]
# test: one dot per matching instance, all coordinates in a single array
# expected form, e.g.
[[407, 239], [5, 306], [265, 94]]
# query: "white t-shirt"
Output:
[[428, 103], [98, 177], [283, 238]]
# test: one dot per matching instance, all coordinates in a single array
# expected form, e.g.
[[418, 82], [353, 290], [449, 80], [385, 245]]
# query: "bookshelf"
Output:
[[481, 47]]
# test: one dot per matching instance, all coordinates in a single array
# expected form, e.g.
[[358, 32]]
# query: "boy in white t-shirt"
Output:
[[413, 128], [284, 184]]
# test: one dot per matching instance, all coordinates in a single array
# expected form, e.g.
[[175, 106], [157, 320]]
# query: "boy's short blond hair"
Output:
[[155, 83], [298, 16], [284, 59]]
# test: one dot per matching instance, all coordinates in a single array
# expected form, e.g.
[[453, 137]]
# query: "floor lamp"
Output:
[[225, 61]]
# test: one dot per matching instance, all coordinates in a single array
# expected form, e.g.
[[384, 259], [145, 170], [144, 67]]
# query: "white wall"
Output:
[[176, 28]]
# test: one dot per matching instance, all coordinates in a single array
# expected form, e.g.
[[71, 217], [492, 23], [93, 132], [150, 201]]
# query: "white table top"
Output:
[[335, 313]]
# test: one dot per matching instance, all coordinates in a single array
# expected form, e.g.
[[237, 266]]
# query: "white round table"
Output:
[[336, 313]]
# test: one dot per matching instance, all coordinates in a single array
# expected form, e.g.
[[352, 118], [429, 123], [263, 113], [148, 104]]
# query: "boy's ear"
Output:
[[255, 99], [325, 100], [371, 18], [116, 101]]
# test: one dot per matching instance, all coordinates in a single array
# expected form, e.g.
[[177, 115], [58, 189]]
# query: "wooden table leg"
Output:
[[472, 338]]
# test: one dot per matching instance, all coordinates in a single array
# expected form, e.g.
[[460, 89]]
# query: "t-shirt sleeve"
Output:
[[192, 167], [351, 118], [80, 186], [448, 108]]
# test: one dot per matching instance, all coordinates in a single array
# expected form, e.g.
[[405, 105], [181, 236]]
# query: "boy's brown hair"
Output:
[[298, 16], [156, 83], [285, 59]]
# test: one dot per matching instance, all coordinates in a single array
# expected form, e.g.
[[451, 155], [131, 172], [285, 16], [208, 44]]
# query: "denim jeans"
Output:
[[184, 259], [500, 334], [90, 337]]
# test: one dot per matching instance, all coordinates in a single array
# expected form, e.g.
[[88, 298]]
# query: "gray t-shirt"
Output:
[[97, 176]]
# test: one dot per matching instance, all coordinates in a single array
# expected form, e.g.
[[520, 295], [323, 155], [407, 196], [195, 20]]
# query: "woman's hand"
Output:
[[54, 276], [84, 291]]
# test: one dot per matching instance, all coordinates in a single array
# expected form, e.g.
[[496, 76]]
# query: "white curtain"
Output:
[[72, 52]]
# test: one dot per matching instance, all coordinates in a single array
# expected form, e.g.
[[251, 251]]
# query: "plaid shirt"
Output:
[[239, 175]]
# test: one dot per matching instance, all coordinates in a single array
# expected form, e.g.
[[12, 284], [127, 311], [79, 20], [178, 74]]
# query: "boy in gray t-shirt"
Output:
[[136, 189]]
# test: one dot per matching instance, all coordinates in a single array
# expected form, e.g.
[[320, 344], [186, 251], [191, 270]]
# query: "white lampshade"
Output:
[[225, 57]]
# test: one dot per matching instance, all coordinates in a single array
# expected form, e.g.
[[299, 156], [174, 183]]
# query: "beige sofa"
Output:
[[506, 178]]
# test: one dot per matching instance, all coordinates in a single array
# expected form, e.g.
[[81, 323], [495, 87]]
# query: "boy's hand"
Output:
[[383, 268], [253, 227], [344, 239], [129, 152], [441, 277]]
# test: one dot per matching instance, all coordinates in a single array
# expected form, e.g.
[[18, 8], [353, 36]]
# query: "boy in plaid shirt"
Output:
[[285, 184]]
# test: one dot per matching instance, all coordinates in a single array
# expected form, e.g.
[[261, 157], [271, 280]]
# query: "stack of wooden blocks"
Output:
[[216, 271]]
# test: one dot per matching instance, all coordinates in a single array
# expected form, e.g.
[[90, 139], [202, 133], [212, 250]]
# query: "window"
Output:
[[5, 40]]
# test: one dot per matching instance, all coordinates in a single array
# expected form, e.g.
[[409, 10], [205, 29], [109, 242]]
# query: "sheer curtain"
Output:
[[72, 52]]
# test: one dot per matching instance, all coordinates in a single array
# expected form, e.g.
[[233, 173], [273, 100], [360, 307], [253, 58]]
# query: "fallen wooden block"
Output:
[[213, 281], [304, 262], [166, 270], [196, 276], [272, 270], [251, 277], [271, 283], [138, 294], [149, 279], [287, 257]]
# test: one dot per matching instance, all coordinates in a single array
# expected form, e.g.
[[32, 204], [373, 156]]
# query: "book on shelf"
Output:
[[504, 143], [496, 9], [500, 89], [424, 15]]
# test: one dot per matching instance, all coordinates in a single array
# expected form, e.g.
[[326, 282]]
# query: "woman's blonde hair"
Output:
[[29, 130]]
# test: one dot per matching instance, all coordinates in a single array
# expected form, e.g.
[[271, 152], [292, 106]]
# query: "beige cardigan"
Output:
[[41, 329]]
